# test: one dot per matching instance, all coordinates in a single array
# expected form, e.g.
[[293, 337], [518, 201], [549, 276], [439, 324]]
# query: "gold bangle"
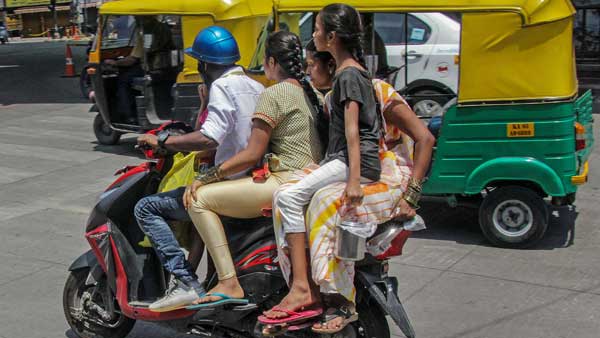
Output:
[[412, 198], [211, 175], [415, 184], [412, 203]]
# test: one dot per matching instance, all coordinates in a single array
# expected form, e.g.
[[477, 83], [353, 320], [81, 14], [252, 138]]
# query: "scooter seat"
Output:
[[243, 233], [267, 212]]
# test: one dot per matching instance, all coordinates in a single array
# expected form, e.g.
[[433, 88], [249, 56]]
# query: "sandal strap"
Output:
[[289, 312], [343, 312]]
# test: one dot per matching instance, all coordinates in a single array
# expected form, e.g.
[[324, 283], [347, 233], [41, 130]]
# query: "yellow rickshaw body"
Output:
[[244, 18], [511, 50], [169, 91]]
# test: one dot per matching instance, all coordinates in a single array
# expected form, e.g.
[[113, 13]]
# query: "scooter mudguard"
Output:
[[384, 292], [85, 261]]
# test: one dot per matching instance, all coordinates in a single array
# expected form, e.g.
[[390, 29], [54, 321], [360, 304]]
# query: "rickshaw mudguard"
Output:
[[101, 101], [515, 169]]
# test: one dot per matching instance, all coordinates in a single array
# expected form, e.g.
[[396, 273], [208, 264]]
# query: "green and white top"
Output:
[[295, 139]]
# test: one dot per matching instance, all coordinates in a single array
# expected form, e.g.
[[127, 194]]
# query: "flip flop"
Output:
[[348, 315], [277, 330], [292, 316], [225, 300]]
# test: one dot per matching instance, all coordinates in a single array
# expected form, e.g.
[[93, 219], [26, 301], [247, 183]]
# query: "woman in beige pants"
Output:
[[284, 123]]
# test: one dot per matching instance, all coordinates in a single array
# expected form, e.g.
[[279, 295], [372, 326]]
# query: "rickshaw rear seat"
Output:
[[139, 83]]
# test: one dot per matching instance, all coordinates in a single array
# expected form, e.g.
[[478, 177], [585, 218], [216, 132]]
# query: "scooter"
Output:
[[111, 286]]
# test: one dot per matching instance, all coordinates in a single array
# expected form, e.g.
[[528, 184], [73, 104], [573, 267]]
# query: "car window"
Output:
[[418, 31], [390, 27]]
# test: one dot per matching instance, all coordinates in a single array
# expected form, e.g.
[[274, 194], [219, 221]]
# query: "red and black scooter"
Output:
[[111, 286]]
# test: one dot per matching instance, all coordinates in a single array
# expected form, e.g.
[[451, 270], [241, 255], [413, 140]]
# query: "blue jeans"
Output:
[[151, 213]]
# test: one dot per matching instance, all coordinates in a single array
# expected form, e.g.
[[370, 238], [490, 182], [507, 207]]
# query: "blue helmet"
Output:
[[215, 44]]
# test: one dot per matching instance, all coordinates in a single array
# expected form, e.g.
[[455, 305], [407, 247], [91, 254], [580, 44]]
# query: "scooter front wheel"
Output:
[[85, 308]]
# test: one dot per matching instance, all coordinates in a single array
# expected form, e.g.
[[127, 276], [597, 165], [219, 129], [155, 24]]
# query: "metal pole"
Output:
[[55, 16], [83, 25]]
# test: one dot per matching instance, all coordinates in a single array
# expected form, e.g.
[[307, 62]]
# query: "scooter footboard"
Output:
[[384, 292]]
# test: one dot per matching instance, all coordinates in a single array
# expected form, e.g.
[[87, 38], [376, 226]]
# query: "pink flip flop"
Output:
[[292, 317]]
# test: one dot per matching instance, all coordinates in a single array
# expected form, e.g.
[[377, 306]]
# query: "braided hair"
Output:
[[345, 21], [286, 49]]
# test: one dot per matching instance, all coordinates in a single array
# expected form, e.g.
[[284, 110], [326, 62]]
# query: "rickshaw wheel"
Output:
[[513, 217], [104, 133]]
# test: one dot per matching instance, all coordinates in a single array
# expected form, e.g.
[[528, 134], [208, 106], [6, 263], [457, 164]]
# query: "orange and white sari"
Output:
[[331, 274]]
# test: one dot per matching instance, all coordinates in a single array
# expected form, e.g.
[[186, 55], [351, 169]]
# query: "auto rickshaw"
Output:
[[164, 85], [518, 135]]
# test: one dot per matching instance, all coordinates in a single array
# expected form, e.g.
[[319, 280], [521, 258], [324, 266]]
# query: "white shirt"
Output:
[[231, 103]]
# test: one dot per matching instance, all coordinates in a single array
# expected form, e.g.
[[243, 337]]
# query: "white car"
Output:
[[431, 48]]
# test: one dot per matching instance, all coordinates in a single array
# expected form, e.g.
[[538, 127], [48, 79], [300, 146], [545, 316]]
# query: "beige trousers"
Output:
[[241, 198]]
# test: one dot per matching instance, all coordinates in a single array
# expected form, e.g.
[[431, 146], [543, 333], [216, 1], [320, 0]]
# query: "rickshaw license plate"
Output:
[[526, 129]]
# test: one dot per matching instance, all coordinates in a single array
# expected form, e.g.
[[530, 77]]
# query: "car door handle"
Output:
[[412, 54]]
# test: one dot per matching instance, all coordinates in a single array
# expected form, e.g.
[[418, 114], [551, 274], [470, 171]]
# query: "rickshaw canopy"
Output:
[[244, 18], [511, 50], [532, 12], [218, 9]]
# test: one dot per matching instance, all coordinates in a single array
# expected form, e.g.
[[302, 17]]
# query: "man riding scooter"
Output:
[[232, 97], [131, 66]]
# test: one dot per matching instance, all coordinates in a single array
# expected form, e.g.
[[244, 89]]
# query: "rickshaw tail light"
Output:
[[579, 136], [456, 59]]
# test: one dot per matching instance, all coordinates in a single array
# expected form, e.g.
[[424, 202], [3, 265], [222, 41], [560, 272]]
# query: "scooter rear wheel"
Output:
[[372, 323], [79, 304]]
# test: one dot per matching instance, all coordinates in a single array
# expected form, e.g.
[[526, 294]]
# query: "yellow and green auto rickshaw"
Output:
[[518, 134], [163, 85]]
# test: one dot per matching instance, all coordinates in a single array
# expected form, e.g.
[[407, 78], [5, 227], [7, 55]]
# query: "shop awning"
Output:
[[40, 9]]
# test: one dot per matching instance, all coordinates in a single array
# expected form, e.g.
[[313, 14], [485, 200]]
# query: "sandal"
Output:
[[278, 330], [344, 312], [292, 316], [225, 300]]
